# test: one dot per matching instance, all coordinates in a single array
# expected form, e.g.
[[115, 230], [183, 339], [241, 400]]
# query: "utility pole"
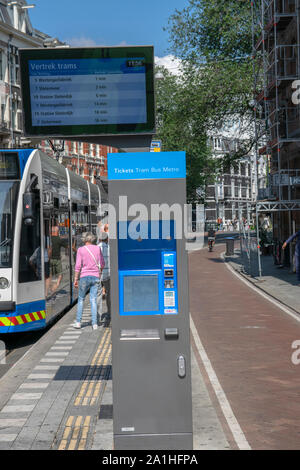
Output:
[[10, 90]]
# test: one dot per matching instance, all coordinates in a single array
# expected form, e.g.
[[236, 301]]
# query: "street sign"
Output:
[[88, 91], [155, 146]]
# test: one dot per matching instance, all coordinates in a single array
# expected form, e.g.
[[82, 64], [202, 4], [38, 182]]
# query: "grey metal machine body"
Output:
[[152, 406]]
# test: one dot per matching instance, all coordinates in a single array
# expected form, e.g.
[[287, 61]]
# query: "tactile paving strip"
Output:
[[98, 371], [77, 430]]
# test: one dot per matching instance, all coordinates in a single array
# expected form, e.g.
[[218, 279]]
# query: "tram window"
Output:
[[30, 263], [9, 166], [8, 198]]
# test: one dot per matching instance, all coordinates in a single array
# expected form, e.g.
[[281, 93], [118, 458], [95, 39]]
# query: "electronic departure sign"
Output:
[[88, 91]]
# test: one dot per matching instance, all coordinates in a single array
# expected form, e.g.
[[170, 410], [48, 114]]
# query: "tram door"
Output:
[[57, 285], [47, 255]]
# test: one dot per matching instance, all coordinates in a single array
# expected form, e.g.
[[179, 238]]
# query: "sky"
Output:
[[90, 23]]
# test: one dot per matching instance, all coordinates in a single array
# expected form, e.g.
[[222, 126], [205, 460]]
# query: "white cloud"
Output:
[[84, 41], [81, 42], [123, 43], [170, 62]]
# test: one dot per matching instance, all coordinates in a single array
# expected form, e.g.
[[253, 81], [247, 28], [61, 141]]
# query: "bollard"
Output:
[[229, 246], [2, 352]]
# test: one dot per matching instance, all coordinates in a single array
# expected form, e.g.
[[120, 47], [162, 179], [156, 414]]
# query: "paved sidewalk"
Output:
[[279, 283], [59, 395], [50, 399]]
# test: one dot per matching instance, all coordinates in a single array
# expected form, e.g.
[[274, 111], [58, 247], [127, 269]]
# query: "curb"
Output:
[[286, 308]]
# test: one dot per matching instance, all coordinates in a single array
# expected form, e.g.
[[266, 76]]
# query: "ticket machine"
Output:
[[152, 406]]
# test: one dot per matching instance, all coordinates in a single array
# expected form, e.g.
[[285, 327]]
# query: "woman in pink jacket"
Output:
[[89, 266]]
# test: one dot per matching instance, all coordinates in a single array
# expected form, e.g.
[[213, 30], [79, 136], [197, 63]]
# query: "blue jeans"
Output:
[[86, 283]]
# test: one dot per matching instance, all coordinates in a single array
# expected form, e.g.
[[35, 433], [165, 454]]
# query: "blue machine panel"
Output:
[[147, 270]]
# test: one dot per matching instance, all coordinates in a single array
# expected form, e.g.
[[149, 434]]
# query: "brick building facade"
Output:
[[87, 160]]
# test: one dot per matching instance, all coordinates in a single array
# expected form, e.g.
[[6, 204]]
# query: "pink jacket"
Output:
[[85, 263]]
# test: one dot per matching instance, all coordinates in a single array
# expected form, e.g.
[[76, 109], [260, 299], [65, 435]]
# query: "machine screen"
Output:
[[141, 293]]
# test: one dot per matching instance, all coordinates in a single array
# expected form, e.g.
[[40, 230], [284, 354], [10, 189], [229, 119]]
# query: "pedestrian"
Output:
[[297, 252], [89, 266], [105, 279]]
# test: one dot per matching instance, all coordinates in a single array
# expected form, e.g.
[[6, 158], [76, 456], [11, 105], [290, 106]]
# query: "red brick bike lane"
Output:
[[248, 341]]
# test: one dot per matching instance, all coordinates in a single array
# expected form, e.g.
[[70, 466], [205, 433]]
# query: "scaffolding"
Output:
[[276, 65]]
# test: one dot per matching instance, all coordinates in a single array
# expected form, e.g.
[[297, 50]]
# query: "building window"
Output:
[[217, 143], [2, 112], [14, 114], [1, 65]]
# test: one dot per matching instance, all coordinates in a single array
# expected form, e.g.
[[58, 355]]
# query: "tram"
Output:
[[44, 208]]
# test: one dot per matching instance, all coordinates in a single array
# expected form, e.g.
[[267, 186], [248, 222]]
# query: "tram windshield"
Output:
[[8, 201]]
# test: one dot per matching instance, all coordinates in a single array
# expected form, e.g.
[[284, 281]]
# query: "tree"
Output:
[[213, 38], [207, 30], [181, 125]]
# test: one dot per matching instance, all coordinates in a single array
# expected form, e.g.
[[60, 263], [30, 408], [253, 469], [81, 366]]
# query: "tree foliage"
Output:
[[181, 124], [212, 29], [213, 40]]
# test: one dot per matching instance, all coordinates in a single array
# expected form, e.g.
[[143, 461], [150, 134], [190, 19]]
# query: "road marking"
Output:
[[68, 337], [76, 429], [232, 422], [62, 347], [56, 354], [260, 292], [34, 385], [46, 368], [91, 386], [17, 408], [65, 342], [63, 445], [78, 333], [49, 359], [7, 437], [11, 423], [75, 433], [41, 376], [26, 396]]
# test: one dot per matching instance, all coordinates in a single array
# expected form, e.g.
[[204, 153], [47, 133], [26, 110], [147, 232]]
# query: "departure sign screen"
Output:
[[88, 91]]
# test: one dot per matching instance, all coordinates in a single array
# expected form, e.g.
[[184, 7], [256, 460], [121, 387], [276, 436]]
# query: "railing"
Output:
[[249, 251], [284, 123], [287, 59], [279, 8], [264, 193], [286, 178]]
